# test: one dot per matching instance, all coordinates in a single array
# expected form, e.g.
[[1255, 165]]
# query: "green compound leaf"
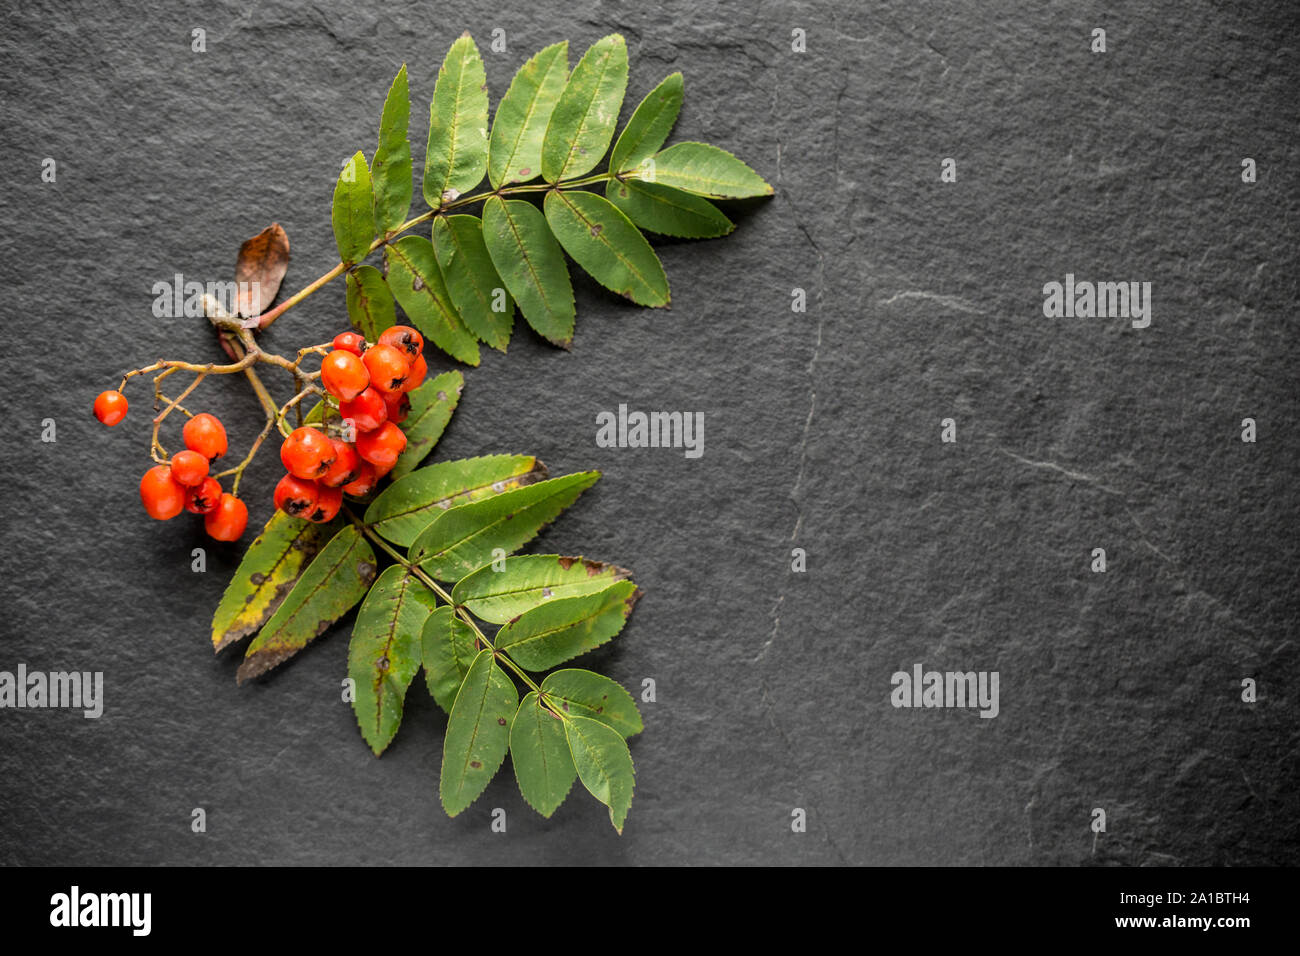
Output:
[[431, 407], [515, 147], [463, 539], [269, 569], [649, 126], [457, 153], [410, 504], [539, 750], [385, 652], [527, 581], [353, 213], [604, 765], [604, 242], [531, 264], [582, 693], [333, 583], [391, 170], [478, 733], [584, 119], [370, 304], [416, 282], [476, 290], [703, 170], [560, 630], [449, 647], [669, 212]]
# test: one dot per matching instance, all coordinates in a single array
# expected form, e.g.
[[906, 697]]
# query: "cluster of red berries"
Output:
[[185, 485], [371, 383]]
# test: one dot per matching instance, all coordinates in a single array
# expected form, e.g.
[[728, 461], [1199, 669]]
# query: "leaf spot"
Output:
[[501, 721], [417, 283], [322, 627], [442, 396], [383, 663], [257, 577], [546, 592], [498, 486], [450, 195], [476, 764], [595, 229], [525, 171]]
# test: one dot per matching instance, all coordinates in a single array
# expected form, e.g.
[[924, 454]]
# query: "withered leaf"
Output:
[[260, 269]]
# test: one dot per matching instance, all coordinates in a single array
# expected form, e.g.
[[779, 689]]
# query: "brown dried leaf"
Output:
[[262, 263]]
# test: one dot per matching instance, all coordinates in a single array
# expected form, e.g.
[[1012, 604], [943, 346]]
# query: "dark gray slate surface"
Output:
[[1118, 690]]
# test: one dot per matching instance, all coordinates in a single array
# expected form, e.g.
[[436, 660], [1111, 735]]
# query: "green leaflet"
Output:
[[476, 290], [458, 541], [583, 121], [353, 212], [559, 630], [478, 733], [539, 750], [431, 407], [703, 170], [669, 212], [267, 572], [456, 157], [528, 580], [588, 694], [649, 126], [385, 652], [531, 264], [391, 170], [410, 504], [604, 765], [605, 243], [449, 646], [416, 282], [515, 147], [370, 304], [335, 581]]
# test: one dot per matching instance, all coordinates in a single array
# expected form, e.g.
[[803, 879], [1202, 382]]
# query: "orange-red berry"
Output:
[[364, 483], [296, 496], [307, 453], [346, 467], [398, 406], [388, 367], [189, 467], [344, 375], [162, 495], [328, 504], [353, 342], [367, 411], [228, 520], [206, 435], [204, 497], [405, 338], [419, 369], [110, 407], [382, 446]]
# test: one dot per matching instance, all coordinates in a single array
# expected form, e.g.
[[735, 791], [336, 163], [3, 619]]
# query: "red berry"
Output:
[[346, 467], [162, 495], [388, 367], [295, 496], [405, 338], [353, 342], [382, 446], [398, 406], [205, 434], [204, 497], [343, 375], [364, 483], [367, 411], [307, 453], [419, 369], [189, 467], [327, 505], [110, 407], [228, 520]]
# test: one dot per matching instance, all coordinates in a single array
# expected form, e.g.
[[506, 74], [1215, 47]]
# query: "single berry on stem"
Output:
[[382, 446], [367, 411], [328, 503], [344, 375], [419, 369], [388, 367], [346, 467], [204, 497], [364, 483], [398, 406], [405, 338], [353, 342], [110, 407], [189, 467]]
